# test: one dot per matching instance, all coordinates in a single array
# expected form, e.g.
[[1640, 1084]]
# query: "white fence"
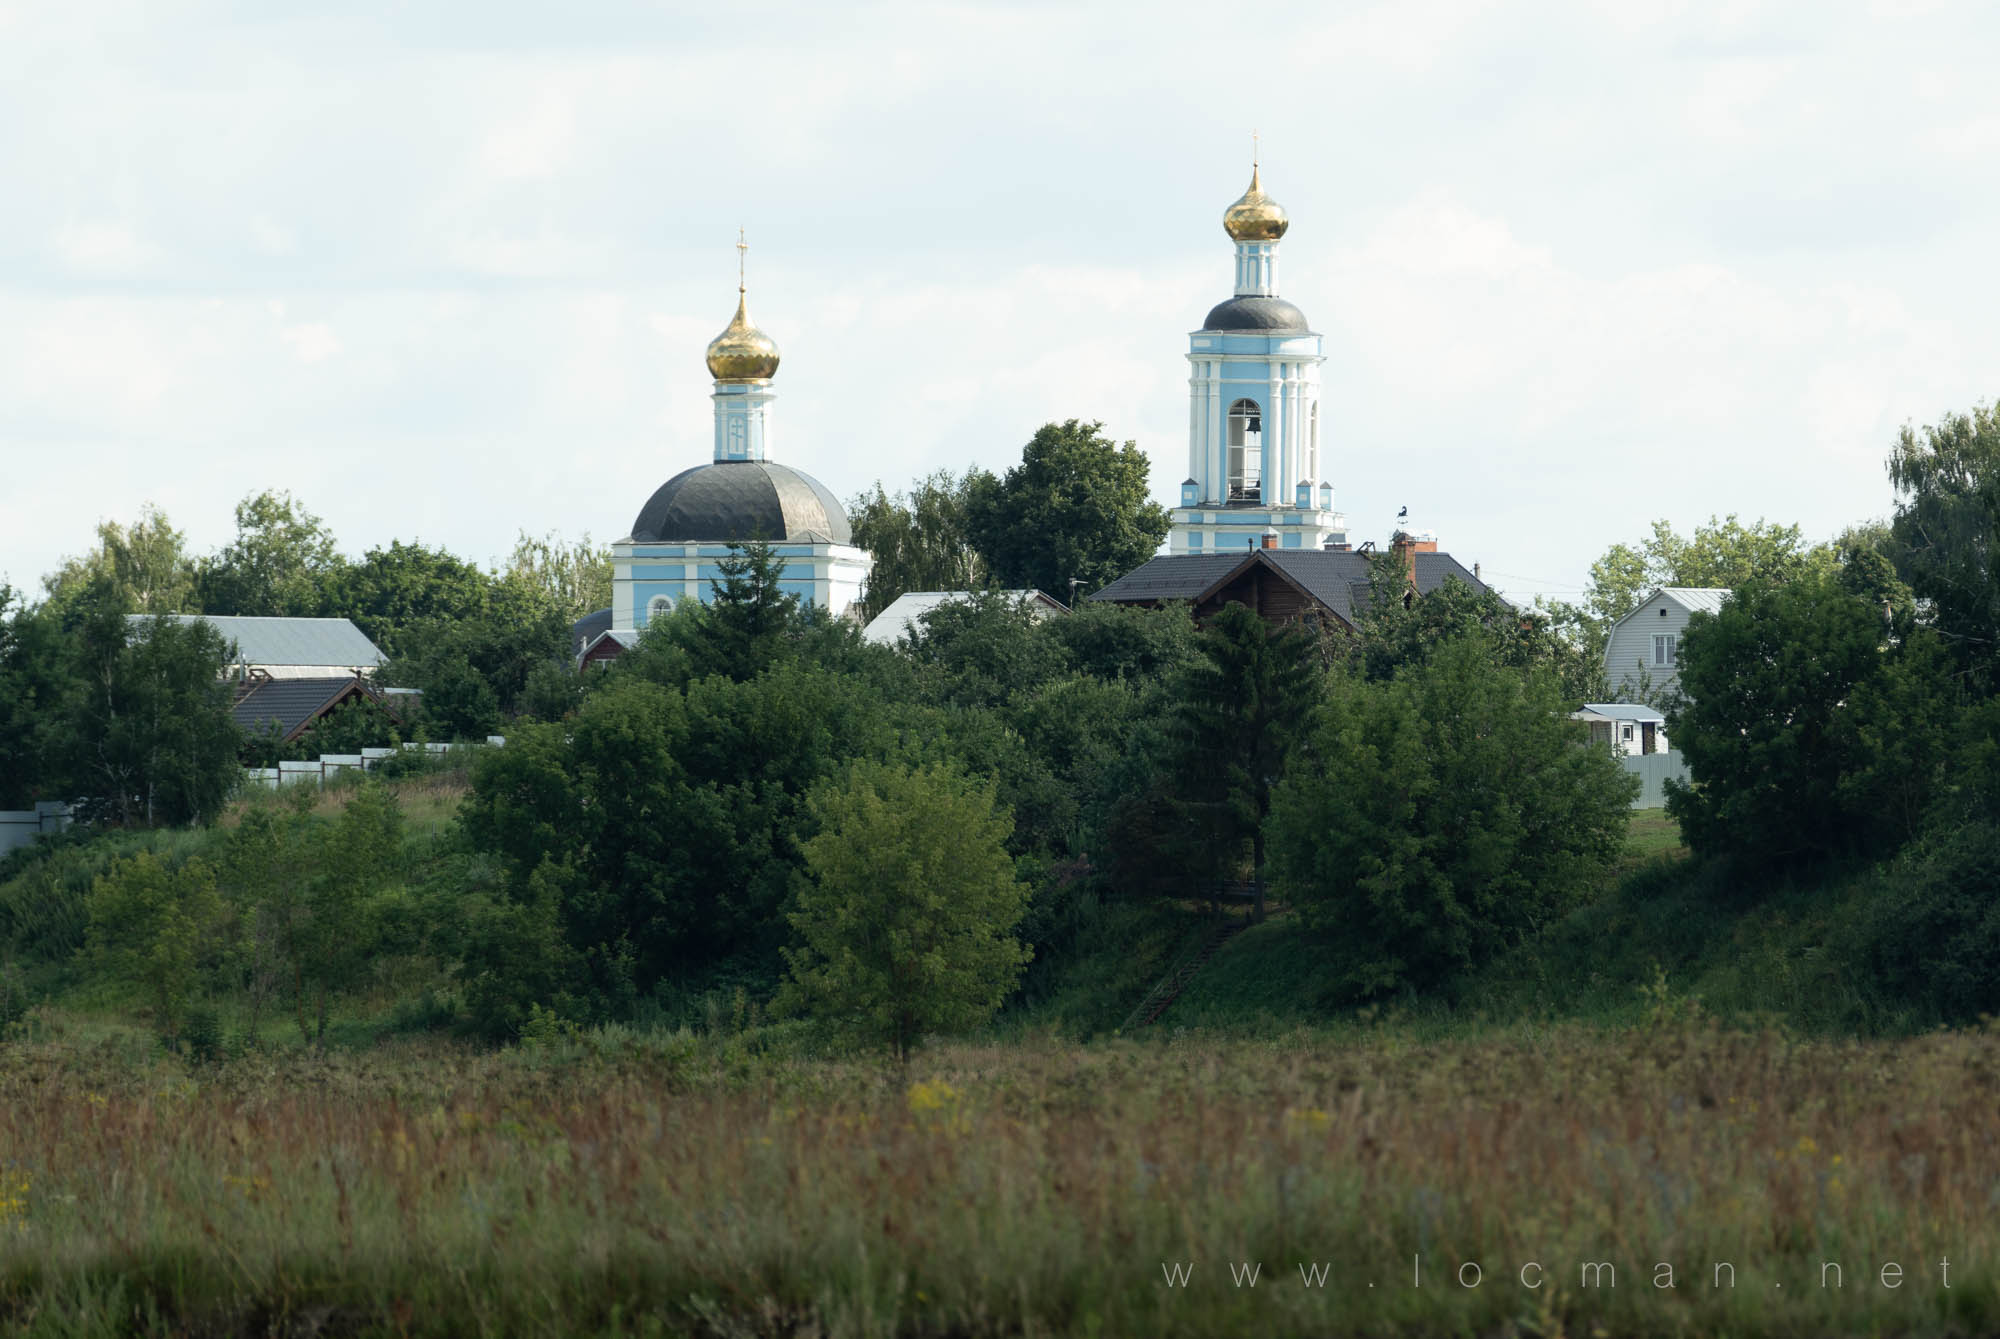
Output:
[[317, 770], [18, 827], [1653, 770]]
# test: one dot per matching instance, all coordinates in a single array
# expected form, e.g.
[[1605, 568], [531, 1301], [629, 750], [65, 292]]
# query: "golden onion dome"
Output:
[[1256, 217], [742, 352]]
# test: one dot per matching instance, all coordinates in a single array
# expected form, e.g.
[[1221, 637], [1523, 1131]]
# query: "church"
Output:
[[1255, 522], [686, 527]]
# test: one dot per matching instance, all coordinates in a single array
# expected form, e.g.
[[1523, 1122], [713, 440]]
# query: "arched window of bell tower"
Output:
[[1246, 451]]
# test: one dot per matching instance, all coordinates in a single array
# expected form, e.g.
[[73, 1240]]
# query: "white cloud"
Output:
[[103, 248], [312, 342]]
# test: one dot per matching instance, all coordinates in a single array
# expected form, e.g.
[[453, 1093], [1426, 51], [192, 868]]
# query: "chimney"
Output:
[[1270, 539], [1404, 549]]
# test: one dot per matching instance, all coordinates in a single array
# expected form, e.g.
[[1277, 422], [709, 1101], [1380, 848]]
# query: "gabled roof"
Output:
[[293, 704], [1691, 598], [887, 628], [289, 641], [1336, 579], [626, 638]]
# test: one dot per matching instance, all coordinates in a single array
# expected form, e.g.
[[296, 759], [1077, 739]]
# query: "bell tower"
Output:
[[1254, 454]]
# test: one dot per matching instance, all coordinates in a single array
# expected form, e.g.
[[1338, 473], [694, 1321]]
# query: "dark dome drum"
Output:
[[742, 500], [1253, 313]]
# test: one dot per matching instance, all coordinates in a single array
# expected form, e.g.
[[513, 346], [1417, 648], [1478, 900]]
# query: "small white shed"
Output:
[[1642, 652], [1628, 729]]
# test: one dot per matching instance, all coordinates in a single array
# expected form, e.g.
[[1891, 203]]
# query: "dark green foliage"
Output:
[[35, 687], [1807, 733], [146, 731], [1945, 538], [1077, 506], [667, 821], [152, 928], [1395, 634], [354, 725], [1241, 706], [1440, 817], [398, 594], [1933, 936], [280, 553], [745, 623]]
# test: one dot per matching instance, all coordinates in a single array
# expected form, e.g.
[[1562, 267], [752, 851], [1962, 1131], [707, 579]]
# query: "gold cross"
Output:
[[741, 247], [1253, 148]]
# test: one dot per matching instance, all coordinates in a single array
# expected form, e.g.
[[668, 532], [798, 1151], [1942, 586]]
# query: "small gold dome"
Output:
[[1256, 217], [742, 352]]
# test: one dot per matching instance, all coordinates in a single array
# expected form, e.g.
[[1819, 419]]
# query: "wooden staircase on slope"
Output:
[[1176, 980]]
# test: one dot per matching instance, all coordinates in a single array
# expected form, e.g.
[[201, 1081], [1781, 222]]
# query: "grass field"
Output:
[[619, 1184]]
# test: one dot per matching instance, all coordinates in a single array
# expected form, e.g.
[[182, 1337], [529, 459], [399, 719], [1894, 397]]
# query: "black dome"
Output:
[[742, 500], [1255, 314]]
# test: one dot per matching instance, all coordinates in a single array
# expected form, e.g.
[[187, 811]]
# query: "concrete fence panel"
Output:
[[1653, 770]]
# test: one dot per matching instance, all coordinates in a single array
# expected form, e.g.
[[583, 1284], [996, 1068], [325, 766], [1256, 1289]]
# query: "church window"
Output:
[[1246, 451], [657, 606]]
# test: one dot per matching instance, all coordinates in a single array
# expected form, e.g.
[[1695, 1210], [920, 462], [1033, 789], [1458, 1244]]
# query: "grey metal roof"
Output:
[[1709, 598], [1338, 580], [741, 500], [1244, 313], [1624, 711], [1172, 576], [289, 641], [292, 703]]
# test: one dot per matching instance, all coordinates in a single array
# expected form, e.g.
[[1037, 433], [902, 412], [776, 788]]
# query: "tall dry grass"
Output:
[[671, 1185]]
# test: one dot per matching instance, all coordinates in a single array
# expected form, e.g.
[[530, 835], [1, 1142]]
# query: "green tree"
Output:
[[745, 623], [1396, 633], [398, 594], [570, 578], [280, 552], [907, 910], [146, 731], [1945, 536], [1437, 818], [1242, 705], [1807, 732], [1724, 553], [1077, 506], [147, 563], [919, 540], [152, 928], [35, 683], [358, 861]]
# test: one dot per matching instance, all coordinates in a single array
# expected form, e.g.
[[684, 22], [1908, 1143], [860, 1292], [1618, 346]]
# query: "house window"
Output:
[[1246, 451], [1628, 734], [1664, 648]]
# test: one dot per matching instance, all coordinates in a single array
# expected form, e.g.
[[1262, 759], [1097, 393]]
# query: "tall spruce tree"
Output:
[[1242, 704]]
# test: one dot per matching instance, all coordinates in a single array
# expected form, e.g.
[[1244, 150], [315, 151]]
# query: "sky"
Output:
[[446, 271]]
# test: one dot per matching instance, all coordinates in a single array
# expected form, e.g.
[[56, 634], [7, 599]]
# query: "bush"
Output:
[[1933, 937], [1434, 820]]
